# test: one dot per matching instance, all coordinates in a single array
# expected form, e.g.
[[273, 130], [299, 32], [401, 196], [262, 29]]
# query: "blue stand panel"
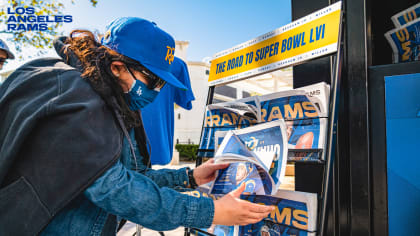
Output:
[[402, 99]]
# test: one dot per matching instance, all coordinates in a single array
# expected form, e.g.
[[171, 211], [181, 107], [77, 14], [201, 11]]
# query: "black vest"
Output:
[[57, 136]]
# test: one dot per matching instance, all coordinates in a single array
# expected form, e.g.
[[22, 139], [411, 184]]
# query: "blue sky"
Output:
[[209, 26]]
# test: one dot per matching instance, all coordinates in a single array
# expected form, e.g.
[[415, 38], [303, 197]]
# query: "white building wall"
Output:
[[181, 49], [188, 123]]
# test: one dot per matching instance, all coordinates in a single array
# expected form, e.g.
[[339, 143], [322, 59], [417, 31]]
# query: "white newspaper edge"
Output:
[[395, 52], [323, 135], [392, 43], [394, 18], [255, 99], [232, 109], [324, 95]]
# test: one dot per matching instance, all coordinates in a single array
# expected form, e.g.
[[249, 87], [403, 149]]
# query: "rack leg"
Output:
[[138, 230]]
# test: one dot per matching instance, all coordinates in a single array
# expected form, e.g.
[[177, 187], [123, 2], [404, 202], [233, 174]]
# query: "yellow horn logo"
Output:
[[169, 55]]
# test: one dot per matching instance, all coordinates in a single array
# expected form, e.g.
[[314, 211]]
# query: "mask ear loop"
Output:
[[121, 123], [131, 73]]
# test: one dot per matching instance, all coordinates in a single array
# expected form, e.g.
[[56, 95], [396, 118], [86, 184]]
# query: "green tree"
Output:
[[40, 40]]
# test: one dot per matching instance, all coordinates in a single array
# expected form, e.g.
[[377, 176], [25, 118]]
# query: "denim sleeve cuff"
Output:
[[182, 178], [200, 212]]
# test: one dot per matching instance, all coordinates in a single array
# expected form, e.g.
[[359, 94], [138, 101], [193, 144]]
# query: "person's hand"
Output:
[[207, 171], [231, 210]]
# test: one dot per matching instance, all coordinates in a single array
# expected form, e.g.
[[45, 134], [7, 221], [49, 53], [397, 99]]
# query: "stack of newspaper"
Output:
[[258, 155], [261, 170], [257, 136], [304, 110], [405, 38]]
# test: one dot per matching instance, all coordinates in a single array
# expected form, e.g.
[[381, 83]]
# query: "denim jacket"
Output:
[[145, 197]]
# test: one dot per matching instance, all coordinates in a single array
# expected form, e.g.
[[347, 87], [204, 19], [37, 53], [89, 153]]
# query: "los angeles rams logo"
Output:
[[169, 55]]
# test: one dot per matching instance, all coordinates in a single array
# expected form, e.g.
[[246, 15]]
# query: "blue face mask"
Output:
[[140, 96]]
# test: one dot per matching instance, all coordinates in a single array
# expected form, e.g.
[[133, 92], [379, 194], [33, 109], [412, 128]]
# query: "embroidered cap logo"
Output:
[[169, 54]]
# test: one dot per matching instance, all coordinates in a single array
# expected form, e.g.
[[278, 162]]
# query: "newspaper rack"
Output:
[[330, 147]]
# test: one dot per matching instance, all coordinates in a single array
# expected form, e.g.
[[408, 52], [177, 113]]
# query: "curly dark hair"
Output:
[[96, 60]]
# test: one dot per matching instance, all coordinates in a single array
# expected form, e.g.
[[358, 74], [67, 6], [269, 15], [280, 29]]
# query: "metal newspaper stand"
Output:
[[333, 50]]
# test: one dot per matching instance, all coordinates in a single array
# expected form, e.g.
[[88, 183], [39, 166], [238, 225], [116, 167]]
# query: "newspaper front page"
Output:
[[405, 38], [224, 117], [409, 14], [405, 42], [264, 145], [294, 214]]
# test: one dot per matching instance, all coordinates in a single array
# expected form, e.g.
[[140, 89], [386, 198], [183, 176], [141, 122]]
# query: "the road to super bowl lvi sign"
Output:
[[312, 36]]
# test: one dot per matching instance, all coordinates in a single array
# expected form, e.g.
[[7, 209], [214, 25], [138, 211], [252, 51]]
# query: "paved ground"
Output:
[[129, 228]]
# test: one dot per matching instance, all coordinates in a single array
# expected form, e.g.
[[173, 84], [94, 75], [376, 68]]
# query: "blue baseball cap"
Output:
[[145, 42], [3, 46]]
